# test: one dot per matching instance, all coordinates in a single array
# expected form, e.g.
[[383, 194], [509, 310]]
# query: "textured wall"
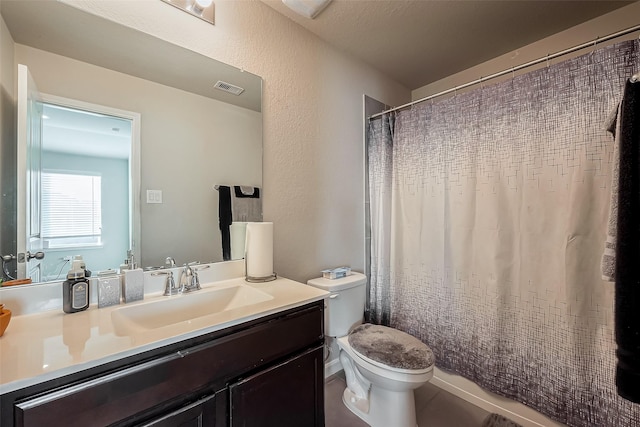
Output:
[[312, 105]]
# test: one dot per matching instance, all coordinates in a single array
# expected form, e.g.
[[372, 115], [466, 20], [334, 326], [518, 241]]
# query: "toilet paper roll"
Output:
[[259, 249], [238, 232]]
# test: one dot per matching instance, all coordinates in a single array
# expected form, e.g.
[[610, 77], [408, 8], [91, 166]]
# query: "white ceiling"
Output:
[[417, 42], [66, 130]]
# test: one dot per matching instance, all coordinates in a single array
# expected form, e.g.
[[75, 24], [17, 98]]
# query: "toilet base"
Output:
[[403, 404], [354, 403]]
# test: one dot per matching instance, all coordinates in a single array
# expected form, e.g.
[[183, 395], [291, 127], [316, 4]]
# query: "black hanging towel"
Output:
[[225, 217], [627, 297]]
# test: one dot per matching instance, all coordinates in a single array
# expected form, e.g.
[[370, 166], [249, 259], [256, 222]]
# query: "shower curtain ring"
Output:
[[547, 60], [595, 42]]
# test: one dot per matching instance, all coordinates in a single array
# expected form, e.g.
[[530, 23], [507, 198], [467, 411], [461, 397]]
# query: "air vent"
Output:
[[228, 87]]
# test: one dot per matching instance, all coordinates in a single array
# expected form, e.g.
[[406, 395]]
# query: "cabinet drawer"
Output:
[[165, 383]]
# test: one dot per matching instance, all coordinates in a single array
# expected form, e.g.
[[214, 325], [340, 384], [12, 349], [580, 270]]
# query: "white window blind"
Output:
[[71, 209]]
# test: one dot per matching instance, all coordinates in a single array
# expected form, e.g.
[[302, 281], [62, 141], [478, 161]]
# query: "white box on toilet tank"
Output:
[[345, 305]]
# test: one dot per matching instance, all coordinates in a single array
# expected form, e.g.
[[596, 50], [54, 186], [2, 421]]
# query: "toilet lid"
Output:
[[390, 347]]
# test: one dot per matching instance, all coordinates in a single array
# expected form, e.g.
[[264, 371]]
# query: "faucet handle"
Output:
[[169, 261], [196, 278], [169, 284], [194, 281]]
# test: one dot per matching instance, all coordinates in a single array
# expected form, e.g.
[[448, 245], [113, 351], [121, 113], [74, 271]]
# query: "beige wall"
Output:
[[313, 135], [188, 144], [604, 25]]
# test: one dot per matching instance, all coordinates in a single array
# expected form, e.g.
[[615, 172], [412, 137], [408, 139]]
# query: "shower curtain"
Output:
[[488, 221]]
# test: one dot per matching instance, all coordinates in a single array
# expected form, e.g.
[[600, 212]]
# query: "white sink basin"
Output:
[[180, 308]]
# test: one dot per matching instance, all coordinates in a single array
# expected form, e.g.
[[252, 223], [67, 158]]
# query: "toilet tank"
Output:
[[345, 304]]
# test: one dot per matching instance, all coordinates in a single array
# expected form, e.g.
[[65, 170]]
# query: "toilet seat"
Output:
[[390, 368], [382, 370], [391, 349]]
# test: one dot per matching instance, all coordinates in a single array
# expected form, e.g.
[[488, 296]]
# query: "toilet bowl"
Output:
[[380, 394], [382, 366]]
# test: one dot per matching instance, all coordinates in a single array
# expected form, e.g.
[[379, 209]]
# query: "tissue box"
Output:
[[133, 285], [109, 292], [336, 273]]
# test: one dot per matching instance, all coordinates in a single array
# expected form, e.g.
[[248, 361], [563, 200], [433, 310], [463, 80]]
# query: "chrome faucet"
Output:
[[170, 287], [170, 262]]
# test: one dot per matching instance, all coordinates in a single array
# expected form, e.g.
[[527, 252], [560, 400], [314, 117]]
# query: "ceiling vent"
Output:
[[228, 87]]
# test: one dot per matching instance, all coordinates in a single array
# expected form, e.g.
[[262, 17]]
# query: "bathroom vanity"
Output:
[[257, 365]]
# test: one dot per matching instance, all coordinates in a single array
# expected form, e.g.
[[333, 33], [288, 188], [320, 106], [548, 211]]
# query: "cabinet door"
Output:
[[198, 414], [290, 394]]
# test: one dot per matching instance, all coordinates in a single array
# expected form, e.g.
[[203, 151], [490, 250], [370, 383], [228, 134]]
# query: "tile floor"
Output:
[[434, 406]]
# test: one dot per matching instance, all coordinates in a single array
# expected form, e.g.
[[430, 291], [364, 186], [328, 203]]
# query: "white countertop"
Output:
[[43, 346]]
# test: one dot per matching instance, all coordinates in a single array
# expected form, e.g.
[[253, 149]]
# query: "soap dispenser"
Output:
[[133, 283]]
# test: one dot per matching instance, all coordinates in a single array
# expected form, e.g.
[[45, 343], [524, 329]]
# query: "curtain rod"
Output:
[[514, 69]]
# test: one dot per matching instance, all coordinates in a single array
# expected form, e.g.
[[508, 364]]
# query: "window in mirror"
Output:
[[71, 210]]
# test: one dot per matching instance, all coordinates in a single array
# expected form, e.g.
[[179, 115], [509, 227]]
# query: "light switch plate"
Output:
[[154, 196]]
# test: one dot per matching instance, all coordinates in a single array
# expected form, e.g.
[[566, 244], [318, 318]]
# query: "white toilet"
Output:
[[382, 365]]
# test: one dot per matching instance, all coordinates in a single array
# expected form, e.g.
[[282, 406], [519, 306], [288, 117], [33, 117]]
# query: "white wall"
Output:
[[312, 115]]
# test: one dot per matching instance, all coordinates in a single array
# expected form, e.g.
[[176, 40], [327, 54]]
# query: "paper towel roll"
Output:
[[259, 249], [238, 232]]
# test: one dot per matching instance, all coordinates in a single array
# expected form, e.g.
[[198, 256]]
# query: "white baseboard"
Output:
[[472, 393], [332, 367]]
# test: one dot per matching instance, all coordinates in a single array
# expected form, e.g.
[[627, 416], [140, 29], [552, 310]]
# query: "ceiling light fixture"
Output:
[[203, 9], [307, 8], [200, 5]]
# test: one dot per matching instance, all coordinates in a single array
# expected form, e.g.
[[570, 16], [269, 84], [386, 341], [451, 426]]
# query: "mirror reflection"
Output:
[[162, 201], [84, 190]]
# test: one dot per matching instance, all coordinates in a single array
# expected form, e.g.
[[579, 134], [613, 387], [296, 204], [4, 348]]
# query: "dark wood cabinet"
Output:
[[267, 372], [198, 414], [291, 392]]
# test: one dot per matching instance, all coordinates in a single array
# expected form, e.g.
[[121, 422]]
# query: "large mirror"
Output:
[[164, 125]]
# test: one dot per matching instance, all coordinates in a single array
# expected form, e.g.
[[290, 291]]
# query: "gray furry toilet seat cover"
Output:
[[391, 347]]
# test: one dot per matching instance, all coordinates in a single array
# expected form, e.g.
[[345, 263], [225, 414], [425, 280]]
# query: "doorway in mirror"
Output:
[[88, 178]]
